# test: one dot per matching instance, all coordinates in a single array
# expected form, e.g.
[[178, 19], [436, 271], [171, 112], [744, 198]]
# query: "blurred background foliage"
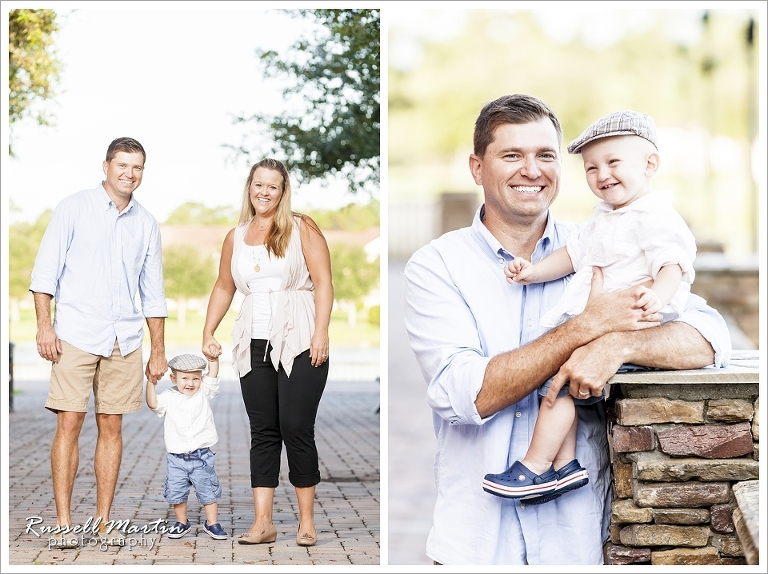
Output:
[[33, 66], [334, 75], [190, 267], [694, 71], [330, 125]]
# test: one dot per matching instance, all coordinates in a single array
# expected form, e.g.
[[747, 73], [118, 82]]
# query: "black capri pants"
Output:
[[282, 409]]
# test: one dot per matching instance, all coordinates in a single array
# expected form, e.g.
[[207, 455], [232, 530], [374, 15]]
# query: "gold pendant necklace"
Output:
[[256, 267]]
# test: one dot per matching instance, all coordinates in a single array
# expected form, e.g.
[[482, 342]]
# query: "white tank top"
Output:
[[261, 283]]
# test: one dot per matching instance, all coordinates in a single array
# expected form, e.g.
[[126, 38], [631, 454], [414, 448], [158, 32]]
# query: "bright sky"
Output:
[[172, 75]]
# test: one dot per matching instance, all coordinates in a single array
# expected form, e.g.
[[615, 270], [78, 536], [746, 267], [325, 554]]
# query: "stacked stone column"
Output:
[[684, 445]]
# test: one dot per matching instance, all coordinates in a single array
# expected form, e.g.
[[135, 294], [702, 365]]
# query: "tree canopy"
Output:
[[187, 272], [352, 217], [33, 67], [335, 128], [353, 274], [191, 213], [23, 243]]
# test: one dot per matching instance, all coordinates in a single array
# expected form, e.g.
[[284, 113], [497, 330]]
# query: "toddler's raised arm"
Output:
[[555, 265]]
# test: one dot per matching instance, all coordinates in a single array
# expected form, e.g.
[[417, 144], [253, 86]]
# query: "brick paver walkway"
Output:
[[347, 513]]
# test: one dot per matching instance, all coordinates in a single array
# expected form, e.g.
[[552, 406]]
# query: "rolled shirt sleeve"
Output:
[[445, 338], [666, 240], [151, 284], [52, 253]]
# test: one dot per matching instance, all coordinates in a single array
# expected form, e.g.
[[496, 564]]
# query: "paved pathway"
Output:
[[411, 450], [347, 507]]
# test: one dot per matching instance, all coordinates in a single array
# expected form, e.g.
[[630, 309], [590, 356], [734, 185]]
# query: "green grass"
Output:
[[364, 334]]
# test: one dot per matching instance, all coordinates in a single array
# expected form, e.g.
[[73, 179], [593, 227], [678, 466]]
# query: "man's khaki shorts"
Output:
[[117, 381]]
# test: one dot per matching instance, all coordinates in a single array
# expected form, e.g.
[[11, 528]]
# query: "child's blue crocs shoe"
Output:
[[215, 531], [520, 482], [179, 529], [571, 476]]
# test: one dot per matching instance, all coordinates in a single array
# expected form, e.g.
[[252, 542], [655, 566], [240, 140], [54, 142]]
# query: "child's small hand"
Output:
[[520, 271], [647, 300], [213, 352]]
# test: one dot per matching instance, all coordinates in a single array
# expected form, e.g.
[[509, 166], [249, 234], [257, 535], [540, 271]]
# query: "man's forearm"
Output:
[[675, 345], [43, 309], [511, 376], [156, 327], [157, 365]]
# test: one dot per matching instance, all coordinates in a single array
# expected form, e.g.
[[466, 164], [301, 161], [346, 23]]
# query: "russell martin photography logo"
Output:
[[95, 534]]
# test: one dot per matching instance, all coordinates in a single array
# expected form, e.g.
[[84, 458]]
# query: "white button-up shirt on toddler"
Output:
[[188, 419]]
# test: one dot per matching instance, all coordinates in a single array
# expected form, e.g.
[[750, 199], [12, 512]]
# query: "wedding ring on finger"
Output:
[[583, 394]]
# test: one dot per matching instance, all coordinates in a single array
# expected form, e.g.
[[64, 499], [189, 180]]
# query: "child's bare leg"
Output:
[[212, 512], [180, 510], [567, 451], [552, 428]]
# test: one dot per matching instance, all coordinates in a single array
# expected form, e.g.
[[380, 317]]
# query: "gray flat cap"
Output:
[[626, 123], [187, 363]]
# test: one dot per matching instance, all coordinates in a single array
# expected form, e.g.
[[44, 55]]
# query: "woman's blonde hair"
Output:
[[279, 234]]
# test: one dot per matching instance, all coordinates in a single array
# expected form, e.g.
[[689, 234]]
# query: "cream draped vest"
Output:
[[293, 308]]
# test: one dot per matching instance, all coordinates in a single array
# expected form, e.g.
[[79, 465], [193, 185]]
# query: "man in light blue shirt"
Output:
[[100, 249], [483, 354]]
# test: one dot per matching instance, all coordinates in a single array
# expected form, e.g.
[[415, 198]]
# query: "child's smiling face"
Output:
[[188, 382], [619, 168]]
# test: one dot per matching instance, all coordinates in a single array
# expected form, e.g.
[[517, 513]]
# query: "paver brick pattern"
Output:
[[347, 508]]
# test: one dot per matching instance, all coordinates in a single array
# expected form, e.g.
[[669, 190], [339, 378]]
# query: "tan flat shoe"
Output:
[[114, 538], [269, 535], [306, 539], [65, 540]]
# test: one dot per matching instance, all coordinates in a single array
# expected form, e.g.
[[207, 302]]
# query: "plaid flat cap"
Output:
[[626, 123], [187, 363]]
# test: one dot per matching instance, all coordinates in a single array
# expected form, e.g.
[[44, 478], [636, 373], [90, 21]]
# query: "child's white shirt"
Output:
[[631, 245], [188, 420]]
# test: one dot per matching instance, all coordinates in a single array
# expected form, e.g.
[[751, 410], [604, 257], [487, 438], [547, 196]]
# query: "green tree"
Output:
[[23, 243], [188, 274], [353, 276], [353, 217], [335, 73], [192, 213], [33, 68]]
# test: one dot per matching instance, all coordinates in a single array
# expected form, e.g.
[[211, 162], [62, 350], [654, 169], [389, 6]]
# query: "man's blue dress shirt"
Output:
[[94, 261], [459, 312]]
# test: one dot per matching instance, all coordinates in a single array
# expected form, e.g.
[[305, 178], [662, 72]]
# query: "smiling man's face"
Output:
[[519, 171], [124, 173]]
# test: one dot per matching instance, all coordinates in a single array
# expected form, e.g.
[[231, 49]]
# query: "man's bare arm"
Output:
[[513, 375], [674, 345], [157, 364], [48, 345]]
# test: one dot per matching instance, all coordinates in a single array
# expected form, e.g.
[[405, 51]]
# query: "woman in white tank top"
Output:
[[280, 262]]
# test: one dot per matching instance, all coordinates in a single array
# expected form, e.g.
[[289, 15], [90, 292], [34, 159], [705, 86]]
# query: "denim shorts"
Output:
[[183, 471]]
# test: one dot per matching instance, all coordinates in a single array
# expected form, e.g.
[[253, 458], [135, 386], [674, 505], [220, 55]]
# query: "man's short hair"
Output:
[[127, 145], [514, 109]]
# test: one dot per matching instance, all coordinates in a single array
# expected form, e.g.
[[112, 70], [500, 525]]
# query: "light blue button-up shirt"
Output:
[[459, 312], [94, 260]]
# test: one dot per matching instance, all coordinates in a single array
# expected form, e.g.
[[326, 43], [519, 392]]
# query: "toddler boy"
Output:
[[638, 239], [189, 434]]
